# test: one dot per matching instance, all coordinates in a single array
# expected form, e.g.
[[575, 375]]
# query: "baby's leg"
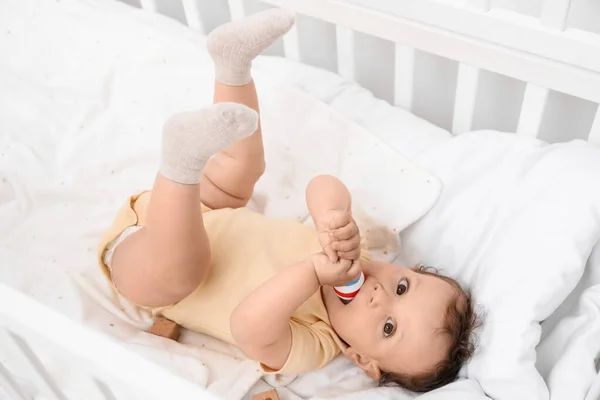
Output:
[[230, 176], [169, 257]]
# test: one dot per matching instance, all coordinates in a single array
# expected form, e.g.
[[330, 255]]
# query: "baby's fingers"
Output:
[[345, 232], [331, 253], [346, 245], [349, 255], [339, 219], [325, 241], [354, 270], [344, 265]]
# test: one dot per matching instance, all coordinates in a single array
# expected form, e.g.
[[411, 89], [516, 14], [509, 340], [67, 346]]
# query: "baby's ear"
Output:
[[370, 366]]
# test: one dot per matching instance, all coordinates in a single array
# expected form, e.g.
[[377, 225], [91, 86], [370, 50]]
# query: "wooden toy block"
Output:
[[165, 328], [268, 395]]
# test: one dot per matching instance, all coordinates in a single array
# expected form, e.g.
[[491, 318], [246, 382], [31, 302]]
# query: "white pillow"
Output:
[[516, 222], [389, 192]]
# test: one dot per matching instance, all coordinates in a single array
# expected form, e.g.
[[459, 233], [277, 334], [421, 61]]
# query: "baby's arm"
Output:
[[260, 325], [325, 193], [330, 206]]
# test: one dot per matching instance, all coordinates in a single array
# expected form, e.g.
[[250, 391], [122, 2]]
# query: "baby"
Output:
[[190, 251]]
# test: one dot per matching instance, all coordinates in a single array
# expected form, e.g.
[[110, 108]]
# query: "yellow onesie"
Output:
[[247, 249]]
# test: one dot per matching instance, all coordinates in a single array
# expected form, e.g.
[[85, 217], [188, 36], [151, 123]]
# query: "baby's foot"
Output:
[[191, 138], [233, 46]]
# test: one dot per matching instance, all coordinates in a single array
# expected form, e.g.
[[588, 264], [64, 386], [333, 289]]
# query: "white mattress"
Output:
[[81, 107]]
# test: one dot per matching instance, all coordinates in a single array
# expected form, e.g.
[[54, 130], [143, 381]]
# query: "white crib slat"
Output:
[[532, 110], [466, 84], [150, 5], [404, 76], [192, 15], [9, 385], [291, 44], [480, 5], [464, 102], [237, 9], [595, 131], [555, 13], [345, 51]]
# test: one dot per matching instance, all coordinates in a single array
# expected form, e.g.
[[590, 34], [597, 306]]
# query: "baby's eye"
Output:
[[389, 328], [402, 287]]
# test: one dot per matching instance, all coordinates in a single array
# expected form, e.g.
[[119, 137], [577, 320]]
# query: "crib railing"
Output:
[[543, 52], [36, 335]]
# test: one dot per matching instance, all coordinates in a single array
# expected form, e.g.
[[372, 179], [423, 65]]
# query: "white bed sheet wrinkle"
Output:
[[571, 336]]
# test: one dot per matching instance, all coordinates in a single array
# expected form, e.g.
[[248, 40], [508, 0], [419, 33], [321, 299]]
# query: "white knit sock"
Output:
[[191, 138], [234, 45]]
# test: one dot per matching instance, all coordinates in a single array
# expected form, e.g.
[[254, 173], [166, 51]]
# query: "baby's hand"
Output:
[[339, 236], [338, 273]]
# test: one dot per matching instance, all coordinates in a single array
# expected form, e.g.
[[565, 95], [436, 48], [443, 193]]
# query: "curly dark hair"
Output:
[[460, 322]]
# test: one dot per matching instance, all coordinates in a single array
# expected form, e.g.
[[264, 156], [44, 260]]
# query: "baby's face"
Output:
[[393, 324]]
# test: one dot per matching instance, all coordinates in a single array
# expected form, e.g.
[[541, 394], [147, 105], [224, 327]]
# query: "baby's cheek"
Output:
[[342, 324], [358, 332]]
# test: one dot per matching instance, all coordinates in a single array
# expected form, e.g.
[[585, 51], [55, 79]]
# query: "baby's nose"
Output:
[[375, 296]]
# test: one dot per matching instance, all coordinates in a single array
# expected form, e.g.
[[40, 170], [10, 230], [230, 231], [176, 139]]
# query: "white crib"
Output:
[[546, 57], [378, 43]]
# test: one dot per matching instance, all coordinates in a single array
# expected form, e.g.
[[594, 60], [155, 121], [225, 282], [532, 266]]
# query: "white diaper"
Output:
[[110, 248]]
